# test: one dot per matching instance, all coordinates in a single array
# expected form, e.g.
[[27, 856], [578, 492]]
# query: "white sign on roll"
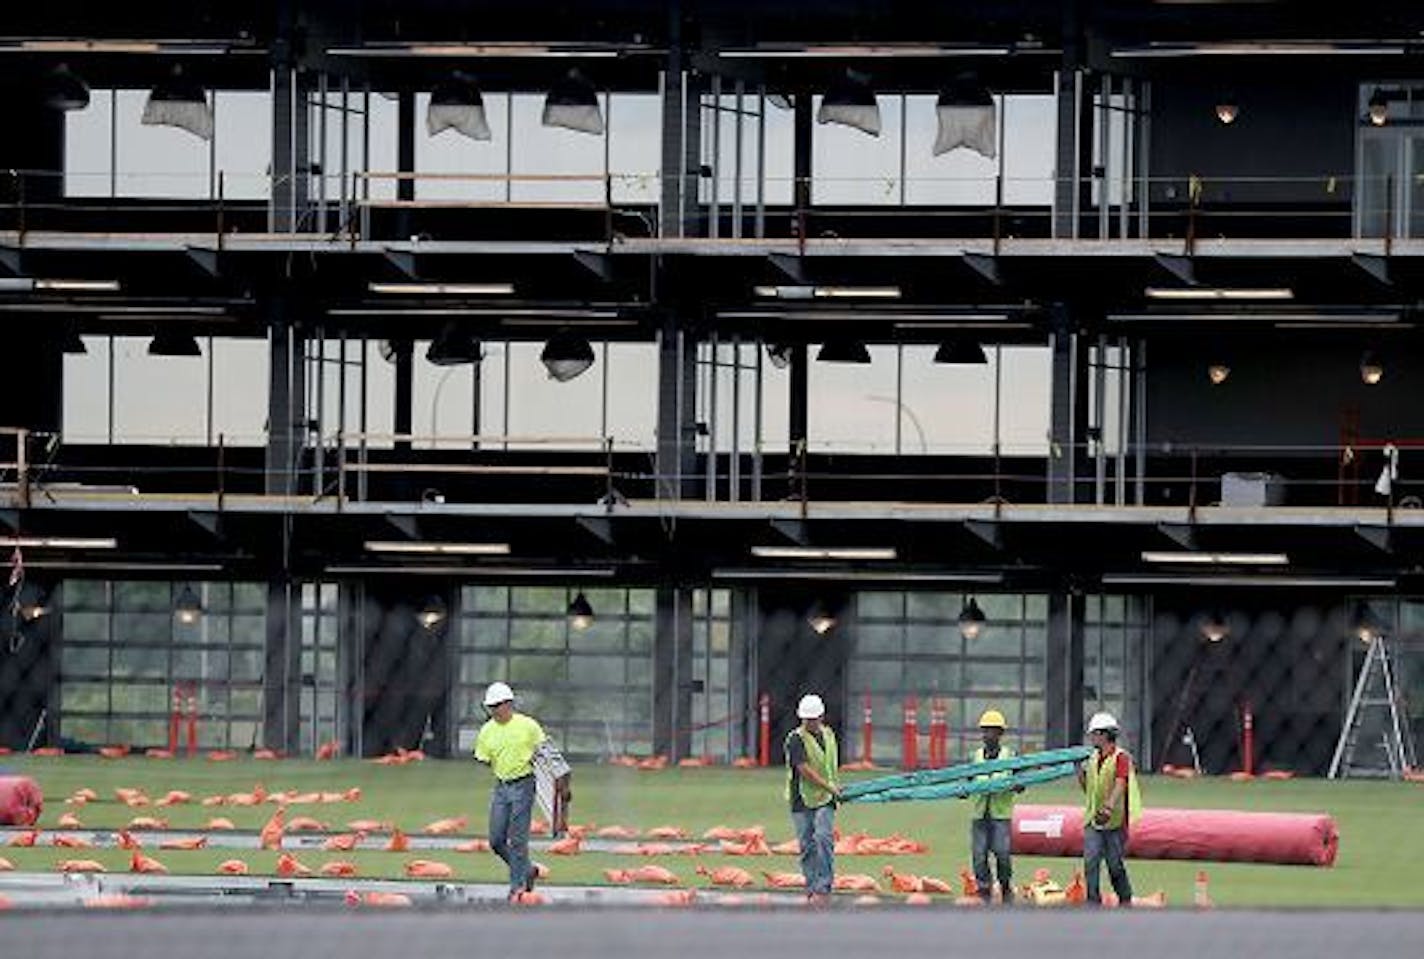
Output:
[[1050, 826]]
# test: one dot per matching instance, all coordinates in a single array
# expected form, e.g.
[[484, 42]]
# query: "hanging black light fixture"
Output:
[[1378, 108], [432, 614], [572, 104], [174, 344], [851, 102], [566, 356], [179, 102], [966, 118], [971, 620], [1366, 623], [453, 347], [961, 352], [779, 354], [843, 351], [74, 344], [188, 608], [456, 104], [65, 90], [1215, 627], [821, 619], [580, 612]]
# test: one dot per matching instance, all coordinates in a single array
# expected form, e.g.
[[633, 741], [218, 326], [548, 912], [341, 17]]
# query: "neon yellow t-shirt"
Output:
[[509, 747]]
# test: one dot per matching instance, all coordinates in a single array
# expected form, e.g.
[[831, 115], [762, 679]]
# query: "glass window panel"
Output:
[[933, 675], [640, 671], [721, 637], [245, 735], [140, 662], [249, 598], [481, 668], [86, 595], [640, 637], [1003, 640], [878, 640], [135, 698], [1001, 607], [604, 636], [85, 697], [597, 670], [484, 633], [1034, 675], [880, 605], [85, 626], [550, 600], [85, 660], [874, 676], [1036, 608], [981, 675], [937, 639], [641, 602], [536, 670], [93, 731], [1036, 642], [139, 732], [943, 607], [537, 634], [245, 702], [143, 597], [247, 665]]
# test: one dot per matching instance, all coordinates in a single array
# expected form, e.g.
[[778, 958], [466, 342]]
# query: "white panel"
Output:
[[950, 406], [380, 397], [241, 381], [158, 399], [542, 150], [1027, 377], [452, 152], [1030, 129], [244, 143], [633, 395], [635, 150], [852, 407], [443, 405], [850, 167], [540, 406], [157, 161], [86, 393], [87, 161]]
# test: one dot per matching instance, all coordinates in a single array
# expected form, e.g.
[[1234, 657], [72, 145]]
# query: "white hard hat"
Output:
[[810, 707], [497, 693], [1102, 722]]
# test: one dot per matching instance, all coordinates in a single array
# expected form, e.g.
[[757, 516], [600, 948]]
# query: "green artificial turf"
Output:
[[1381, 844]]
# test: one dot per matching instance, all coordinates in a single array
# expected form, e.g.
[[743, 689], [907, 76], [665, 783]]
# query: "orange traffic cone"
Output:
[[1201, 898]]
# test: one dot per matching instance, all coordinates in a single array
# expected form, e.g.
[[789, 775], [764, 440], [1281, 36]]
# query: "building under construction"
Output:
[[657, 356]]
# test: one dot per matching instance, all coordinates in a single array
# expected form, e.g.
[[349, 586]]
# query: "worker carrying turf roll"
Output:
[[507, 742], [992, 826], [1111, 800], [813, 788]]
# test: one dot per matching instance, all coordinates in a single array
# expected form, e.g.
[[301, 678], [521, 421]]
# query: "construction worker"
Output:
[[991, 828], [813, 787], [1111, 800], [507, 742]]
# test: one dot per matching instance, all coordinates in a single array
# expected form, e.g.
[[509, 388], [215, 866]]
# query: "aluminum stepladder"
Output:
[[1376, 689]]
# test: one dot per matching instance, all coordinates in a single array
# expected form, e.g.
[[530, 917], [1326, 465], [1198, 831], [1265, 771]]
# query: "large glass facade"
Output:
[[321, 677], [591, 689], [713, 716], [124, 654]]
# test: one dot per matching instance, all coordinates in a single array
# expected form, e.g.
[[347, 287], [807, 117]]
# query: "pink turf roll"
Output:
[[1214, 835], [21, 801]]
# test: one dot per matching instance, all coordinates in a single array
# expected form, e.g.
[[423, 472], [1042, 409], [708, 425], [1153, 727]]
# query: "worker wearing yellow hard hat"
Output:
[[991, 827]]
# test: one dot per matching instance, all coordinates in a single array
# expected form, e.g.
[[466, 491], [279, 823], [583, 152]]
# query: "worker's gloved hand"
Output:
[[1019, 789], [1102, 817]]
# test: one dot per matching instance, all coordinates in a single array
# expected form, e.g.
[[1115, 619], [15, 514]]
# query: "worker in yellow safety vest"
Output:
[[813, 788], [991, 827], [1111, 802], [507, 742]]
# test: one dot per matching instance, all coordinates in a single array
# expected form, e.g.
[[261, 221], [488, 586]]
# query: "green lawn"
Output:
[[1382, 842]]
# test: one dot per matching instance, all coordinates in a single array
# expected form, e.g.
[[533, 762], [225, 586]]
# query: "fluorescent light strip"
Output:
[[124, 567], [1148, 579], [418, 49], [862, 51], [1280, 319], [571, 313], [26, 284], [1216, 559], [1256, 49], [877, 576], [443, 289], [1218, 293], [186, 48], [811, 552], [828, 292], [438, 549], [56, 542], [476, 572]]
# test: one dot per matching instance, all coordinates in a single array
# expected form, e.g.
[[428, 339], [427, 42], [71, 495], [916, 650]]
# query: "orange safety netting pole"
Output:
[[867, 730], [764, 732], [192, 723], [174, 719], [937, 734], [910, 736], [1248, 740]]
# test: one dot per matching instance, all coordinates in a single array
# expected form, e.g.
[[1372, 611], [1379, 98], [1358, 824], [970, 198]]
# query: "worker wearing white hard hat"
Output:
[[813, 787], [1111, 800], [507, 742]]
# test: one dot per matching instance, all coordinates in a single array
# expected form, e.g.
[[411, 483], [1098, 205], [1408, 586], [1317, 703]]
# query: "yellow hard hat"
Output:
[[992, 717]]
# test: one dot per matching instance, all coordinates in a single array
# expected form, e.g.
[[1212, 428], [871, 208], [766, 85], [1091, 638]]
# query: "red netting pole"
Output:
[[764, 731], [867, 730], [192, 723], [1248, 740], [910, 737], [174, 719]]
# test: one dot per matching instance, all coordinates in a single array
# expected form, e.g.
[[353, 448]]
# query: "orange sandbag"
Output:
[[1214, 835], [21, 801]]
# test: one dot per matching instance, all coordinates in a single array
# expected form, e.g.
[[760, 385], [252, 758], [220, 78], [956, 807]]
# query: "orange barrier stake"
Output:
[[764, 737], [174, 718], [910, 737], [867, 730], [1248, 740], [192, 724]]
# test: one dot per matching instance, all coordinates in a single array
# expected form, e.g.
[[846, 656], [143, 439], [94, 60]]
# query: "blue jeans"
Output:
[[1106, 846], [993, 835], [815, 831], [511, 805]]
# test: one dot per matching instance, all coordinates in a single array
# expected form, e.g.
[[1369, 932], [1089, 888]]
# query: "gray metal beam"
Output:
[[672, 673], [1064, 672]]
